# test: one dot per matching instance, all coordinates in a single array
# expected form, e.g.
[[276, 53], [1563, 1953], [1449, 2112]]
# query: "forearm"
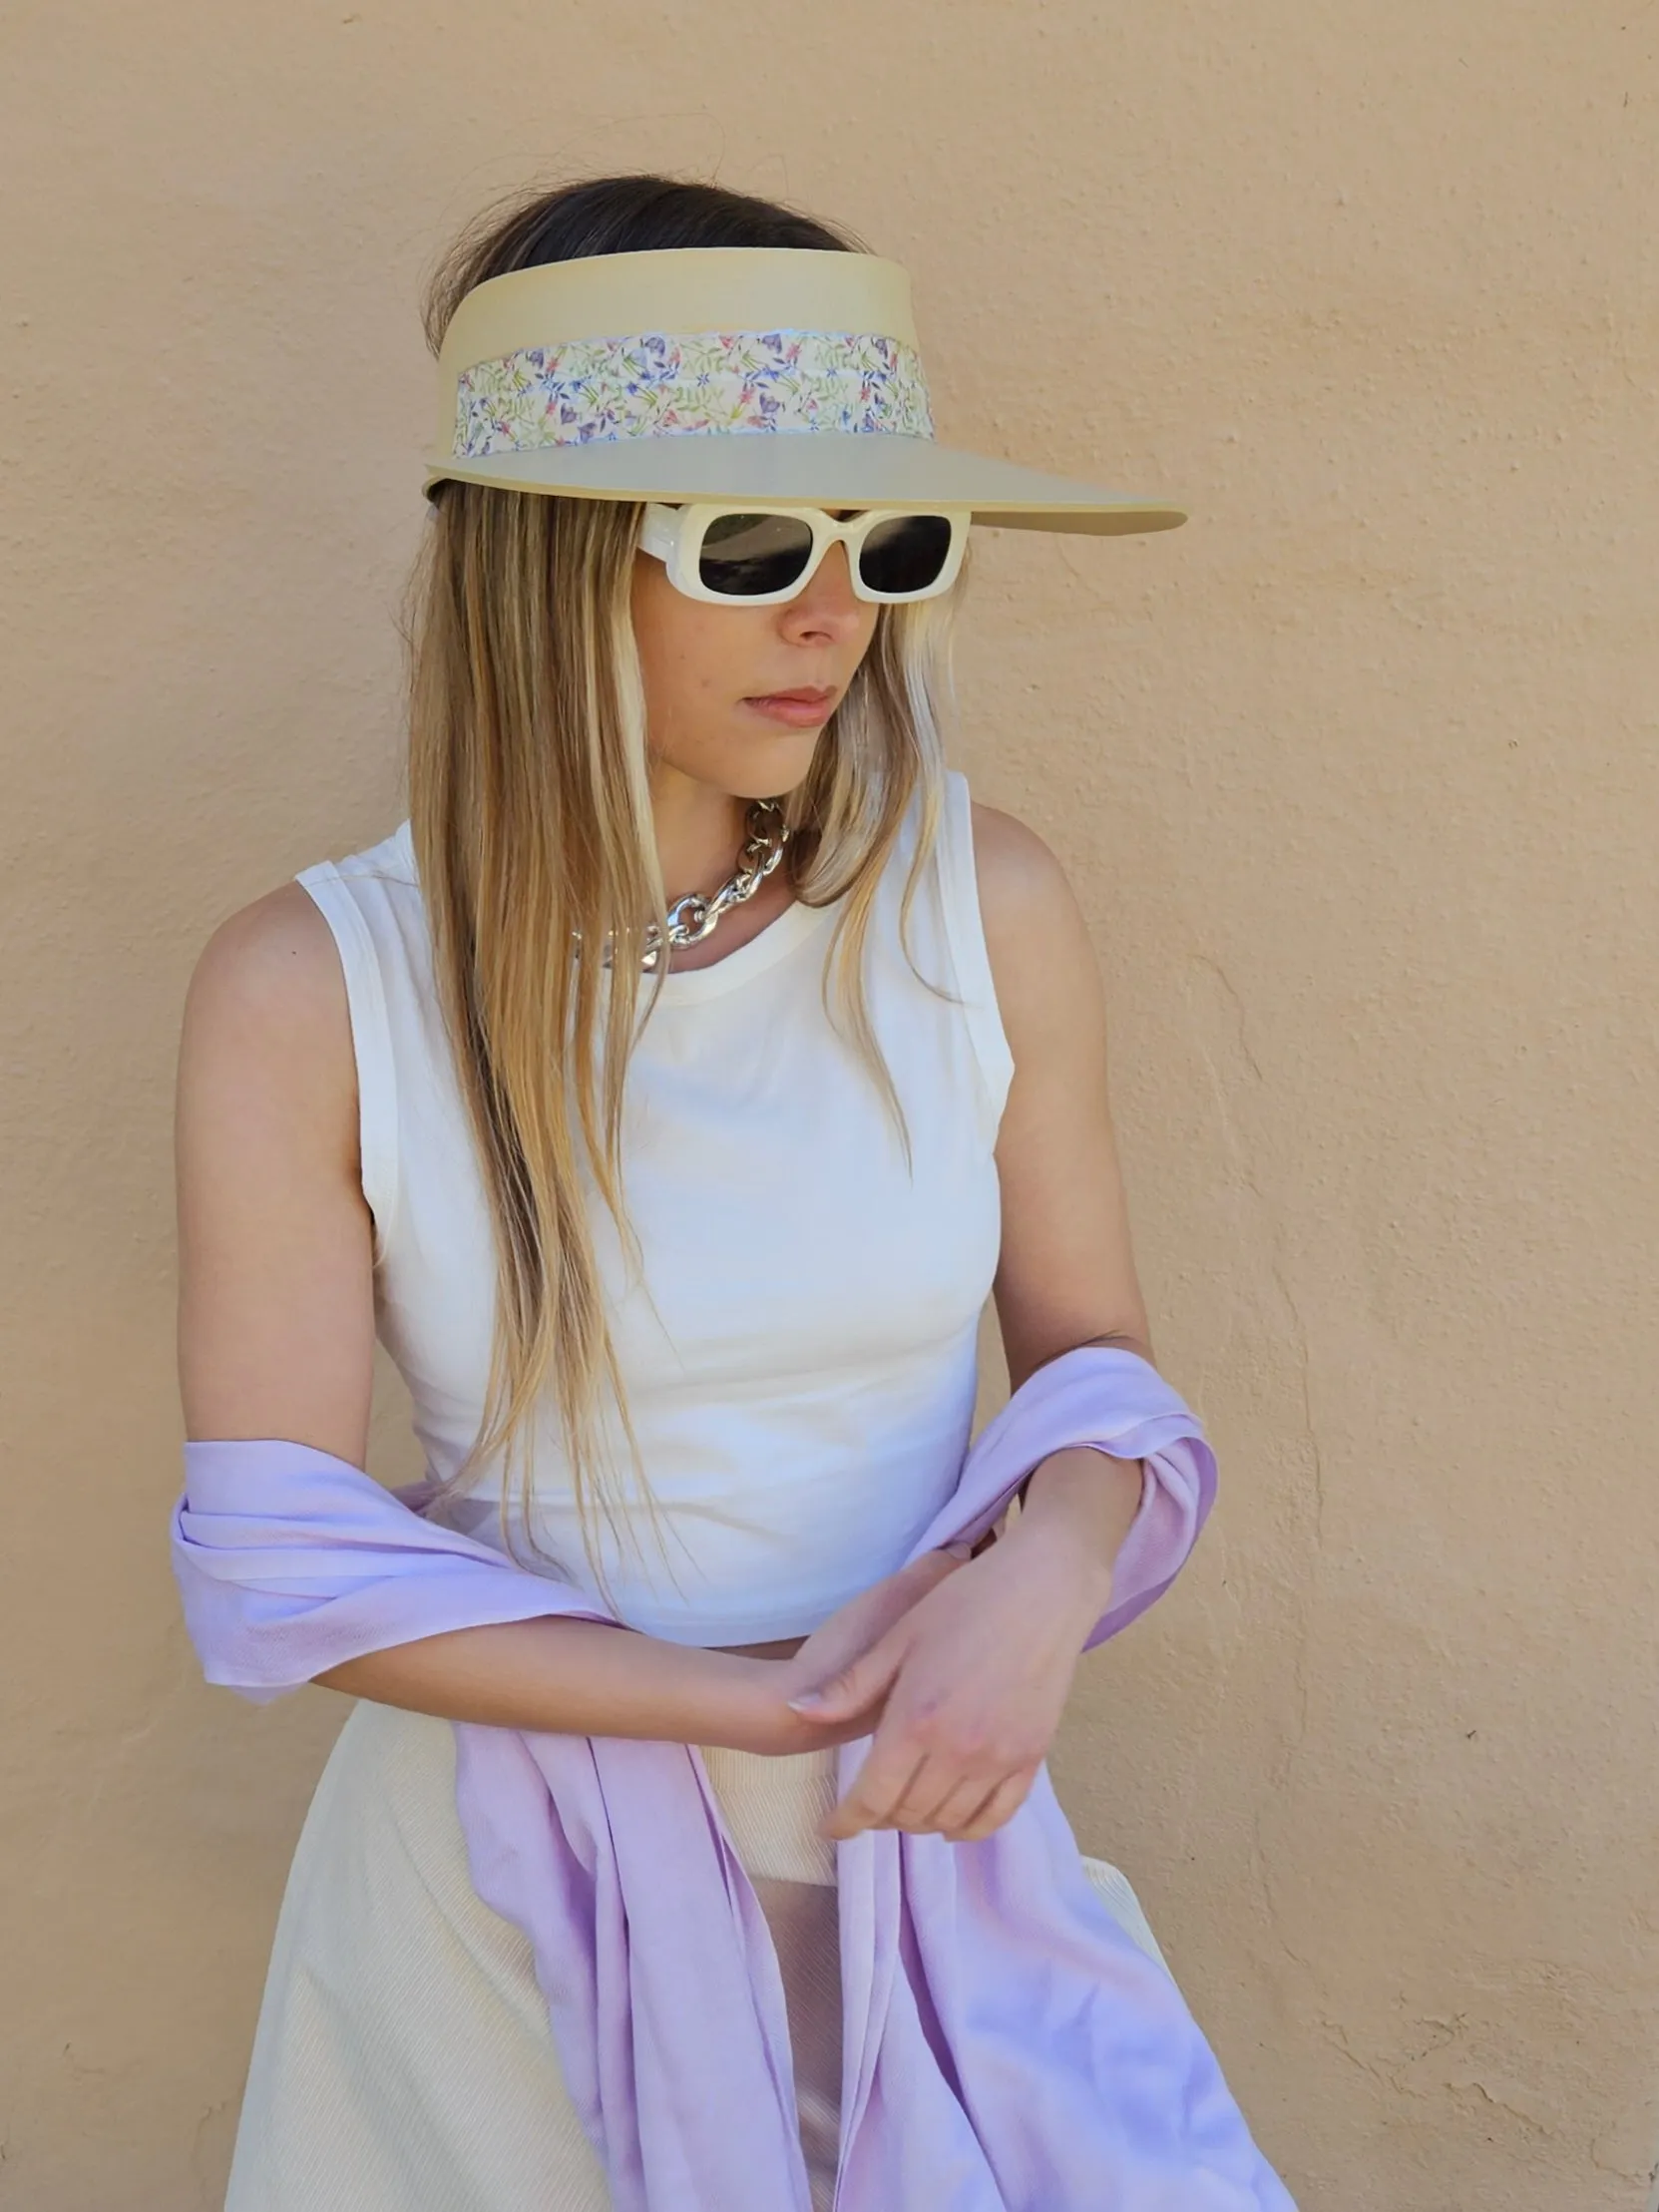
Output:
[[581, 1677], [1082, 1502]]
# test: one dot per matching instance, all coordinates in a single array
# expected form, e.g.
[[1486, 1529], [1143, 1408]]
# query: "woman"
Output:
[[689, 1331]]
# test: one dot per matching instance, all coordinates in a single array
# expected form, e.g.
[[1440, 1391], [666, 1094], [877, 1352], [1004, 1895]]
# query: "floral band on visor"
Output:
[[655, 385]]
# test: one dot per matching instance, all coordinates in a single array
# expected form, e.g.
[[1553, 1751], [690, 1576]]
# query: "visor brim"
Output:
[[816, 469]]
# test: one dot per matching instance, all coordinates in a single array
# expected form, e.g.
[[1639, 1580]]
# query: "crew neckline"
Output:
[[687, 986]]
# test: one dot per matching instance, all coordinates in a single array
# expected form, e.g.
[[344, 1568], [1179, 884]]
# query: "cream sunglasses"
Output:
[[758, 555]]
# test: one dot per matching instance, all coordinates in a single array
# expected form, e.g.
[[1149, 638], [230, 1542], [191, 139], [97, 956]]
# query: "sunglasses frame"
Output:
[[676, 535]]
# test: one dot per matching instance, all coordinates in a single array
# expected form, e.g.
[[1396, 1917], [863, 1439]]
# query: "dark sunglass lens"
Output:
[[746, 556], [906, 553]]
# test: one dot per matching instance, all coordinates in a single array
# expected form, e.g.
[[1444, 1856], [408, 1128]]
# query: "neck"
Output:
[[699, 831]]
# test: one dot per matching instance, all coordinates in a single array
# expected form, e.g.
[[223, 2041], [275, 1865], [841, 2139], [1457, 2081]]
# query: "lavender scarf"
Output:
[[1007, 2046]]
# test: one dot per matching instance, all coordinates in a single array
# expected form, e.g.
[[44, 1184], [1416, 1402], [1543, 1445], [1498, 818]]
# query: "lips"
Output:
[[799, 709]]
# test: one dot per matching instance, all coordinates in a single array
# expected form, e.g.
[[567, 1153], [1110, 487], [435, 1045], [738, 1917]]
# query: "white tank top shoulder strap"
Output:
[[347, 892], [966, 943]]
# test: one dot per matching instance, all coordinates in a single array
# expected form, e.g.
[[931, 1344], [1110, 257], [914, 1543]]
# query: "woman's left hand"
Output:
[[969, 1685]]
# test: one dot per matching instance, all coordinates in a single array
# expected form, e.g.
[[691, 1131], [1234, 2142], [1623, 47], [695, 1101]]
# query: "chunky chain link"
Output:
[[692, 917]]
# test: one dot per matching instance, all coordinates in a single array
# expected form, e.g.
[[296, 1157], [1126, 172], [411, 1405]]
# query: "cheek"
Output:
[[690, 654]]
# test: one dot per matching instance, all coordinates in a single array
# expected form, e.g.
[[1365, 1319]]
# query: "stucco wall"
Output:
[[1355, 775]]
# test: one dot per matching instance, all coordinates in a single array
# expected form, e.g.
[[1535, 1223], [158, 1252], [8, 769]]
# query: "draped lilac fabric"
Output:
[[1007, 2046]]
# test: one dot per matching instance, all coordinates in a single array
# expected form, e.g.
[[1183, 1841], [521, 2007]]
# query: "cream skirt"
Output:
[[403, 2061]]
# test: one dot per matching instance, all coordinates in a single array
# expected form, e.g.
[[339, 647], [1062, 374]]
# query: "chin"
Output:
[[769, 770], [745, 766]]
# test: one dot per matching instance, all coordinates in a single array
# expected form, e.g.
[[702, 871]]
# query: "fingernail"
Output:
[[806, 1698], [960, 1550]]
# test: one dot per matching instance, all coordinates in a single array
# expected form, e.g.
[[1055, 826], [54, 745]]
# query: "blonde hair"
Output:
[[530, 819]]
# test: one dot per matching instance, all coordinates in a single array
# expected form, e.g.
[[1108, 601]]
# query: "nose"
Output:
[[826, 607]]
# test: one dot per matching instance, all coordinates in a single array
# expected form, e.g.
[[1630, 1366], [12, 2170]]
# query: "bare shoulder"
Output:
[[276, 1237], [1065, 1273], [1034, 932], [266, 1009]]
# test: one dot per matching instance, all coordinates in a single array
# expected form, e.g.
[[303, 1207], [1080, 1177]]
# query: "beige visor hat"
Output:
[[785, 375]]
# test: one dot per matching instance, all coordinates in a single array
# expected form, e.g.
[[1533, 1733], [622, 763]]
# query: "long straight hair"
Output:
[[530, 819]]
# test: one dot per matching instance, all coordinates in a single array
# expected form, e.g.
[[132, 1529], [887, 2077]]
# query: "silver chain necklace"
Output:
[[692, 917]]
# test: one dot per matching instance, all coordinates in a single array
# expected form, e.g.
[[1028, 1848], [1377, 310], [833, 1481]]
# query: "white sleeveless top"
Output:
[[800, 1360]]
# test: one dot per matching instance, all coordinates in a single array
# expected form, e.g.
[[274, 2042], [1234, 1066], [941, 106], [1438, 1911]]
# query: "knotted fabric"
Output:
[[1006, 2047]]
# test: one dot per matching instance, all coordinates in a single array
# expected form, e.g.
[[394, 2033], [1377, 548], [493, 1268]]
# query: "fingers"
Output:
[[974, 1805], [960, 1806], [865, 1804], [978, 1802], [909, 1769], [860, 1628], [1002, 1803], [854, 1687]]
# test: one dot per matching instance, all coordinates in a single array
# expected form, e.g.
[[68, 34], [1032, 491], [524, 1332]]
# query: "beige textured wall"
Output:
[[1356, 774]]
